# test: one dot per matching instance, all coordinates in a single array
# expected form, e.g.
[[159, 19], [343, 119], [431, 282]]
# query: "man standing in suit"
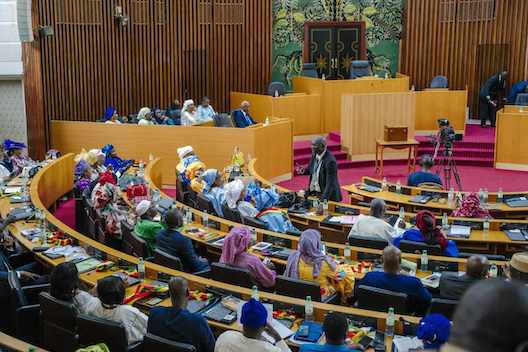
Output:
[[241, 116], [453, 286], [488, 93], [323, 173]]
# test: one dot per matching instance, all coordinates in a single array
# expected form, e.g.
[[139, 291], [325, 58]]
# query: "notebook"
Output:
[[460, 231], [421, 199]]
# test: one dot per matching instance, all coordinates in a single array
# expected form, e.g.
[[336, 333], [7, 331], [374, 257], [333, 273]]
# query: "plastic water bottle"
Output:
[[325, 206], [485, 196], [151, 157], [323, 248], [384, 184], [205, 219], [188, 216], [445, 222], [500, 195], [255, 293], [386, 75], [398, 187], [402, 213], [315, 204], [389, 323], [451, 195], [308, 309], [276, 93], [141, 269], [481, 194], [424, 261], [323, 77], [493, 271], [347, 253], [253, 234], [266, 121], [486, 225]]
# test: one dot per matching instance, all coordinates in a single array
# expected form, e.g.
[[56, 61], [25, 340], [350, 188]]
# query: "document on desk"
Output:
[[460, 231], [12, 190], [344, 219]]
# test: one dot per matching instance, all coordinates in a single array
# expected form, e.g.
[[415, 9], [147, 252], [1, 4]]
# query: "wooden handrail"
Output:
[[14, 344]]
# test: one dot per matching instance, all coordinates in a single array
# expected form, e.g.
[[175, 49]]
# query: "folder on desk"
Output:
[[517, 234], [460, 231]]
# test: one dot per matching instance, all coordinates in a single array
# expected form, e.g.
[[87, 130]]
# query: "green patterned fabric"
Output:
[[100, 347], [383, 19]]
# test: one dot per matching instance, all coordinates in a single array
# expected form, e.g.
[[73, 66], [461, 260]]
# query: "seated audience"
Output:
[[517, 268], [83, 175], [167, 120], [491, 317], [209, 179], [335, 328], [17, 158], [171, 241], [188, 113], [425, 175], [113, 161], [470, 208], [205, 110], [374, 225], [64, 286], [309, 263], [157, 116], [104, 200], [174, 111], [212, 182], [111, 116], [452, 285], [109, 305], [391, 279], [190, 166], [145, 117], [146, 227], [176, 323], [434, 331], [235, 253], [241, 117], [253, 319], [427, 232], [6, 166]]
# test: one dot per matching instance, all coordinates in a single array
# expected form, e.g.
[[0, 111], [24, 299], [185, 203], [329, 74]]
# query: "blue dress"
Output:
[[415, 235]]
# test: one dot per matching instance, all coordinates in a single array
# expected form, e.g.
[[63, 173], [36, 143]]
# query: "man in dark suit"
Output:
[[241, 117], [176, 323], [488, 93], [453, 286], [323, 172]]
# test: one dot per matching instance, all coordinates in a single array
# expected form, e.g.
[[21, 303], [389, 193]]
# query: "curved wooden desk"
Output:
[[43, 198]]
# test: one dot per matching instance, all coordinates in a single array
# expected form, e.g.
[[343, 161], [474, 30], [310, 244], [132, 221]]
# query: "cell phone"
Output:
[[365, 341], [303, 331], [153, 301]]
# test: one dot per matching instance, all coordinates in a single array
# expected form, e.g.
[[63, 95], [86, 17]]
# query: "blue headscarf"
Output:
[[434, 330], [264, 197], [209, 177], [109, 112], [12, 145], [254, 314], [80, 168], [107, 149]]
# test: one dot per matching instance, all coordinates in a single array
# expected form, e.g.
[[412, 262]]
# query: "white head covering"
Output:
[[143, 113], [143, 207], [186, 104], [96, 152], [232, 192], [183, 151]]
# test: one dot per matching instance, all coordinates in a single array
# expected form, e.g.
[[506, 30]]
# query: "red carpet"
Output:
[[65, 212]]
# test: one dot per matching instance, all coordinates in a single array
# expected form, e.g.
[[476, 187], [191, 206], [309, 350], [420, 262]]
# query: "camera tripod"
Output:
[[448, 164]]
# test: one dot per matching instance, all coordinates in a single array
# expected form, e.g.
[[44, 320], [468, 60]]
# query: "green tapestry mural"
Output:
[[383, 20]]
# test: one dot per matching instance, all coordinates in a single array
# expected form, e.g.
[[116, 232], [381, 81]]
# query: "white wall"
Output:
[[12, 104]]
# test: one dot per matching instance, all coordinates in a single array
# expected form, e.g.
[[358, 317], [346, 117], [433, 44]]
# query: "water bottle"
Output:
[[451, 195], [424, 261], [276, 93], [386, 75], [323, 77], [445, 222], [255, 293], [493, 271], [486, 225], [205, 219], [315, 204], [384, 184], [389, 323], [266, 121], [500, 195], [141, 269], [347, 253], [402, 214], [398, 187], [323, 248], [253, 234], [481, 194], [325, 206], [308, 309], [485, 196]]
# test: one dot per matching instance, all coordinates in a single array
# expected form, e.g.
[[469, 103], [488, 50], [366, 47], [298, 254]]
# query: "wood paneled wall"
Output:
[[465, 40], [169, 49]]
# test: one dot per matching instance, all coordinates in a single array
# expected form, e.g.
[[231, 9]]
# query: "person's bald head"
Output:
[[391, 260], [477, 266], [178, 292], [319, 145], [377, 208], [245, 105]]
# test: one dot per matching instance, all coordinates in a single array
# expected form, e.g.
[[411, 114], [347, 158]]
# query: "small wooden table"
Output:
[[410, 144]]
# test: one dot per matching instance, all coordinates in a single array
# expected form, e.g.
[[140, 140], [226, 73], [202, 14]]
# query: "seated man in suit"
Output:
[[241, 117], [391, 279], [176, 323], [424, 175], [453, 286]]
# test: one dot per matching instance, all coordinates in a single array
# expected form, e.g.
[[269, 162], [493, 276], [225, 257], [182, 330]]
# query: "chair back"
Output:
[[132, 242], [442, 306], [254, 222], [378, 299], [367, 241], [93, 330], [521, 99], [276, 88], [419, 247], [232, 275], [231, 214], [439, 82], [296, 288], [204, 204], [489, 256], [309, 70], [155, 343], [223, 120], [58, 322], [360, 68], [168, 260]]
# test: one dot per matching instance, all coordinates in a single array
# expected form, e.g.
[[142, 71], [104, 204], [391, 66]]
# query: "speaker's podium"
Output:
[[511, 142]]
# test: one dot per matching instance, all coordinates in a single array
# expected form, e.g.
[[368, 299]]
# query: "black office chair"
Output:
[[58, 324], [360, 68], [133, 244], [419, 247], [223, 120], [80, 214], [254, 222], [168, 260], [93, 330], [489, 256], [231, 214], [155, 343], [378, 299], [443, 306], [367, 242], [276, 88], [92, 227], [296, 288], [232, 275], [205, 204], [309, 70]]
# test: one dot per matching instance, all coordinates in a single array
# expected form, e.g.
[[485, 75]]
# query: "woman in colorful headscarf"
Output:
[[145, 117], [83, 175], [189, 166], [96, 159], [470, 208], [111, 159], [188, 113], [111, 116], [15, 152], [427, 232], [6, 166], [234, 253], [309, 263]]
